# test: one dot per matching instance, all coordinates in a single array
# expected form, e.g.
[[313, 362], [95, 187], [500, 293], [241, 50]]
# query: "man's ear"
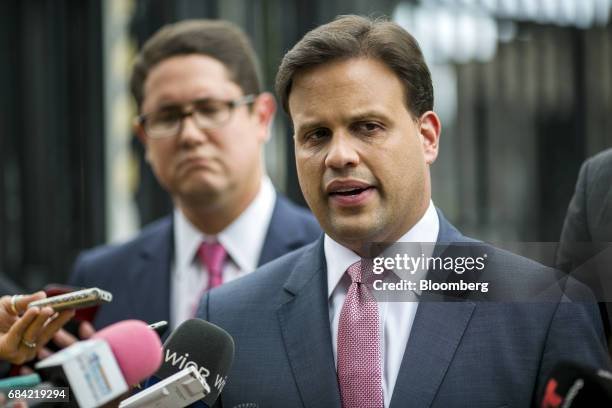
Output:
[[139, 132], [264, 108], [142, 136], [430, 128]]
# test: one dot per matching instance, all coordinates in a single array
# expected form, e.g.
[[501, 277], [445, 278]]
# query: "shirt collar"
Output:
[[338, 258], [187, 239], [243, 239]]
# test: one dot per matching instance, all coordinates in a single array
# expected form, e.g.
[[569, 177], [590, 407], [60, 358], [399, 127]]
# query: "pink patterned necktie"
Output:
[[213, 255], [359, 357]]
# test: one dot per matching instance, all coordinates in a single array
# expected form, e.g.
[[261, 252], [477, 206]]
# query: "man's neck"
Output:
[[377, 243], [213, 219]]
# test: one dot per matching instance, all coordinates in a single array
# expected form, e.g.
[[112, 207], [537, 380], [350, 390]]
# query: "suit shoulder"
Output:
[[519, 278], [499, 258], [104, 256], [513, 260], [299, 215], [603, 158], [598, 167], [518, 268], [505, 267]]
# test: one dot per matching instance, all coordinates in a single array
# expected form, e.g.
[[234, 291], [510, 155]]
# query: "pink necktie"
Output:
[[359, 357], [212, 255]]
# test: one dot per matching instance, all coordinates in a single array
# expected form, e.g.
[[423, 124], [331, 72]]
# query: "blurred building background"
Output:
[[523, 87]]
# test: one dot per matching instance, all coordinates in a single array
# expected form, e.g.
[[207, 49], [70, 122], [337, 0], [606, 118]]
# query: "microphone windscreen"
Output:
[[200, 343], [136, 348]]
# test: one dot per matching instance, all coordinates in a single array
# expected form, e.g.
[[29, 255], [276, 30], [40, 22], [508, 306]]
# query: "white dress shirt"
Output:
[[243, 240], [395, 318]]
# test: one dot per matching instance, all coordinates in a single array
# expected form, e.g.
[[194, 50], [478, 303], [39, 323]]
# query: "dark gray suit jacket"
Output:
[[137, 273], [459, 354], [589, 215], [585, 246]]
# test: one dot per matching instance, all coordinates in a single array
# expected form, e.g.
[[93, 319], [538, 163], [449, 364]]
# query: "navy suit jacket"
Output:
[[459, 354], [137, 273]]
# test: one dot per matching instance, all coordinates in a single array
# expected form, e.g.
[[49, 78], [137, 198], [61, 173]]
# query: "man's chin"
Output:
[[355, 231], [200, 194]]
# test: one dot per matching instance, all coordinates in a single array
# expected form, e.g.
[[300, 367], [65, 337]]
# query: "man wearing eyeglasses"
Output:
[[203, 120]]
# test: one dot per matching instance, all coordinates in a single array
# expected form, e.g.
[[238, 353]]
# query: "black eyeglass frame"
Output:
[[231, 106]]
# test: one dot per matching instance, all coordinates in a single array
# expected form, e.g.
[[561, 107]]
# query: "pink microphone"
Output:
[[137, 349]]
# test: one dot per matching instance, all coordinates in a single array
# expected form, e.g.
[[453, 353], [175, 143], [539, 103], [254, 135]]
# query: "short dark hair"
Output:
[[354, 36], [221, 40]]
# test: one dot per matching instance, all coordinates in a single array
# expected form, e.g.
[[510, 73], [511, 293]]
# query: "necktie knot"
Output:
[[355, 271], [362, 272], [212, 256]]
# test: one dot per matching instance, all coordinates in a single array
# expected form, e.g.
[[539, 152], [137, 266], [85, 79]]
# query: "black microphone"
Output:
[[572, 385], [197, 345]]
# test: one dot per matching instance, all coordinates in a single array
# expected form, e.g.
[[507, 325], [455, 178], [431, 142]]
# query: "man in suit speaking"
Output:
[[203, 121], [360, 97]]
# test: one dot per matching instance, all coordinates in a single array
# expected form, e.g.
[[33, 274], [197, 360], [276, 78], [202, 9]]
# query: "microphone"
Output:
[[572, 385], [196, 346], [185, 388], [136, 348], [100, 369]]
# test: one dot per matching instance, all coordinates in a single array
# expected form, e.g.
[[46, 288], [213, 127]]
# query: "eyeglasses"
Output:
[[207, 114]]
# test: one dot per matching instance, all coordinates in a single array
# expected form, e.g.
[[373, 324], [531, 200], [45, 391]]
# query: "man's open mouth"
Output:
[[350, 192]]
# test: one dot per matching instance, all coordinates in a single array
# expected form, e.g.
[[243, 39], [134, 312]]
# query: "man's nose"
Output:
[[341, 151], [190, 134]]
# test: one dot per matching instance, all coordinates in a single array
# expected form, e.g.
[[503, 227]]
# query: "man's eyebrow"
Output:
[[165, 102], [358, 117], [366, 115], [307, 125], [177, 105], [168, 105]]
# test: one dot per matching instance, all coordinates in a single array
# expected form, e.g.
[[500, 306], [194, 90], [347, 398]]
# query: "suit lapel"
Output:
[[434, 338], [304, 323], [435, 335], [151, 279]]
